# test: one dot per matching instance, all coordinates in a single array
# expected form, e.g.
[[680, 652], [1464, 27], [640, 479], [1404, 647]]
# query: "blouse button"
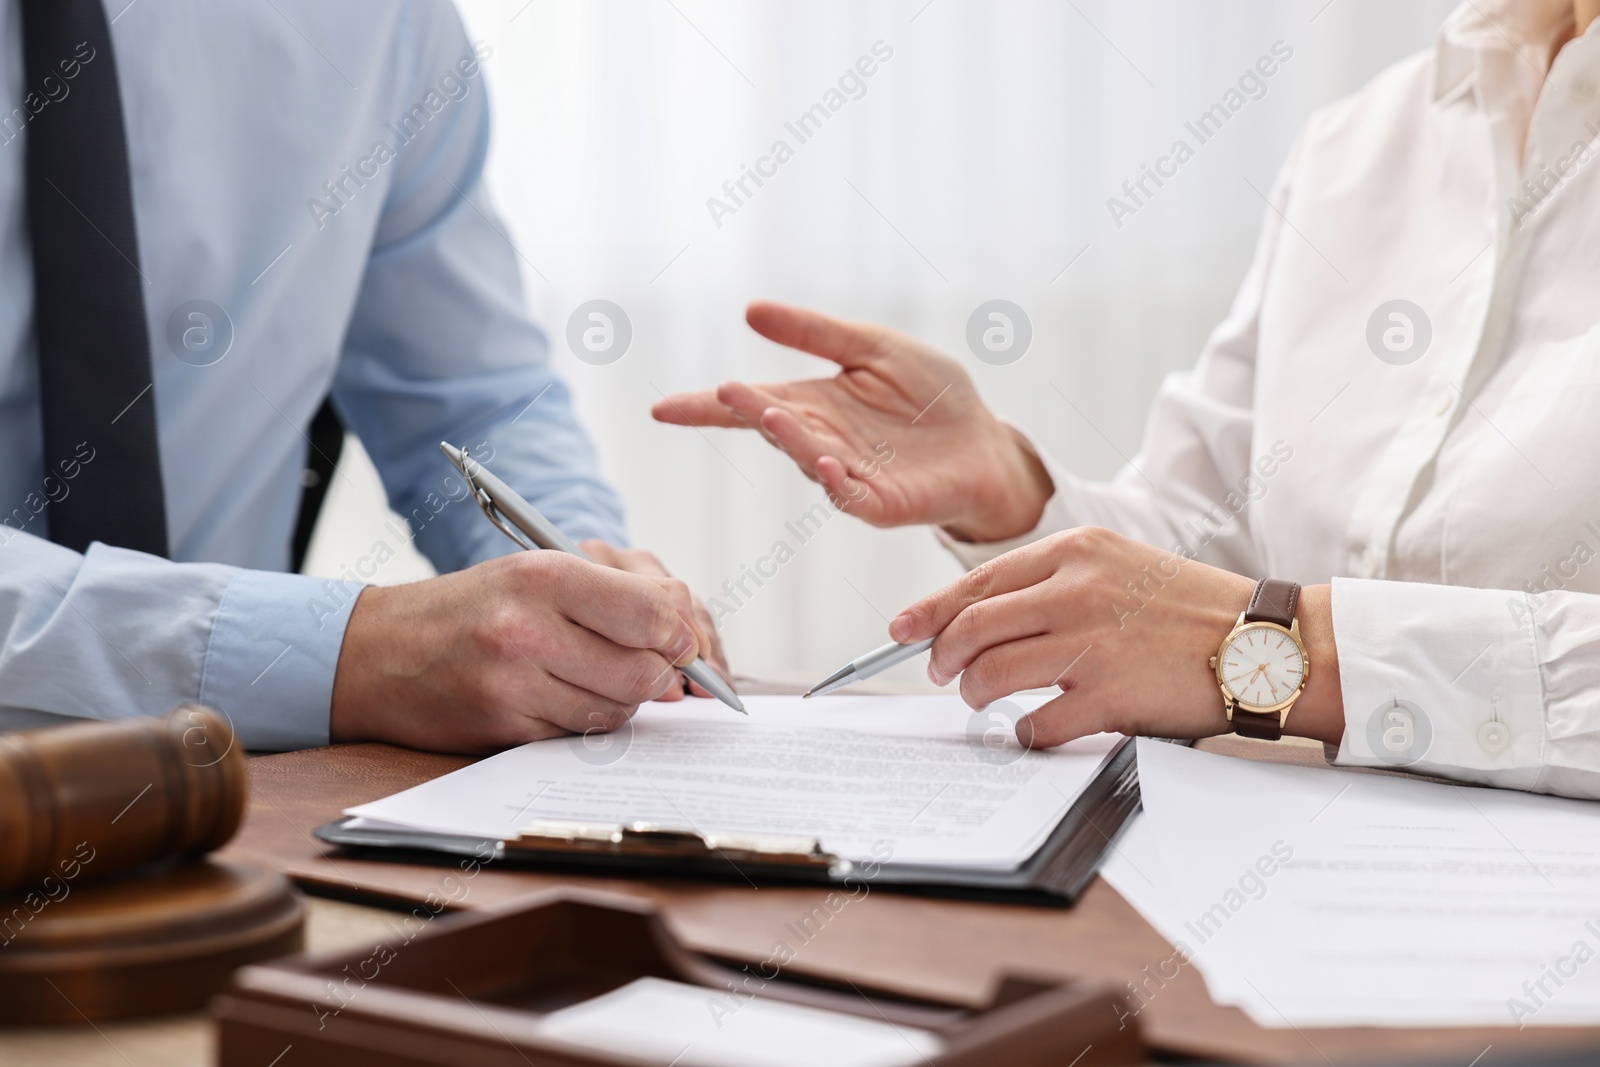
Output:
[[1493, 737]]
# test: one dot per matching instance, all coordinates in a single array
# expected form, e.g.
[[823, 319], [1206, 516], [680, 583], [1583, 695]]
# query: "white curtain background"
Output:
[[976, 165]]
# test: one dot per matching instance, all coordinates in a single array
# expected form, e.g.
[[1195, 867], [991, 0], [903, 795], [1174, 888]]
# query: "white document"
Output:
[[1135, 868], [1313, 897], [887, 779], [669, 1022]]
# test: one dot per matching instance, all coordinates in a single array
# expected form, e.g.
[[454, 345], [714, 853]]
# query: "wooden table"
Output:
[[942, 947]]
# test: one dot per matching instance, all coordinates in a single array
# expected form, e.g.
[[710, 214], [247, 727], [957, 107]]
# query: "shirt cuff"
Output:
[[270, 663], [1439, 680], [1059, 514]]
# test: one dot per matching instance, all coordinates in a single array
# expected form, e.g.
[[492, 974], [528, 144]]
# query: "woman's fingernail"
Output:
[[935, 677], [900, 628], [1024, 730]]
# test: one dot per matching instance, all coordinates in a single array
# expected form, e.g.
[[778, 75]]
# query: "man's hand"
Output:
[[639, 561], [897, 437], [1125, 630], [520, 648]]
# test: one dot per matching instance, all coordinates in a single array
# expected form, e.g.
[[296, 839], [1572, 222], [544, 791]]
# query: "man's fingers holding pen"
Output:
[[707, 643], [515, 649], [634, 610], [627, 676], [710, 641], [690, 608], [525, 705], [632, 560]]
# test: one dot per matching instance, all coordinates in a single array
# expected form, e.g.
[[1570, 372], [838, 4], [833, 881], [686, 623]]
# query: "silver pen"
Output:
[[863, 667], [521, 521]]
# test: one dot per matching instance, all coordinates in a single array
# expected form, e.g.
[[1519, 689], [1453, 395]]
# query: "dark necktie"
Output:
[[95, 381]]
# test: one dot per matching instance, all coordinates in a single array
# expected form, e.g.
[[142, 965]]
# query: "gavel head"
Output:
[[96, 798]]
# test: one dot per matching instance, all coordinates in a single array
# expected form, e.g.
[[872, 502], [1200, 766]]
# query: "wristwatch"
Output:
[[1262, 666]]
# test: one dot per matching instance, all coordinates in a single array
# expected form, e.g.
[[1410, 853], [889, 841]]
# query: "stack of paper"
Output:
[[906, 780], [1313, 897]]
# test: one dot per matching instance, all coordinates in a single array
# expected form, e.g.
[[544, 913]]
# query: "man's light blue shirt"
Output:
[[314, 171]]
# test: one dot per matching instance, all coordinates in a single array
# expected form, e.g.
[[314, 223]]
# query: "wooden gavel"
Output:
[[93, 799]]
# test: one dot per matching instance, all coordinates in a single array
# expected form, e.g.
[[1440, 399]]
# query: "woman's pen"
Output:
[[502, 504], [875, 662]]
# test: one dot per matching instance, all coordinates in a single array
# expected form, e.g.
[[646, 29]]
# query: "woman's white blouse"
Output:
[[1405, 399]]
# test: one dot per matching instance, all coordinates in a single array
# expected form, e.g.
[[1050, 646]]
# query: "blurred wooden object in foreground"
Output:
[[108, 906]]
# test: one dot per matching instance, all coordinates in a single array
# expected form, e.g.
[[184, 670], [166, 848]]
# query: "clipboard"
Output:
[[1056, 873]]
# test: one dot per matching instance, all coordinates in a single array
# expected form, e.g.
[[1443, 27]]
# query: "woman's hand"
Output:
[[1125, 630], [898, 437]]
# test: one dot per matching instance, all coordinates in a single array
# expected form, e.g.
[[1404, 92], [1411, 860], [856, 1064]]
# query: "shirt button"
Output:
[[1583, 91], [1443, 405], [1369, 562], [1494, 738]]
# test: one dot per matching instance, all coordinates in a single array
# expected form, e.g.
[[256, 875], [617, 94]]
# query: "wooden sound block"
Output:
[[143, 943]]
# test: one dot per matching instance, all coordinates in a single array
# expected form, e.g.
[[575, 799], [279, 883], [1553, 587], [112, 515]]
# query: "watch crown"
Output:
[[1213, 663]]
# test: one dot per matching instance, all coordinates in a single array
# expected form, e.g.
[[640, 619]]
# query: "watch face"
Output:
[[1261, 667]]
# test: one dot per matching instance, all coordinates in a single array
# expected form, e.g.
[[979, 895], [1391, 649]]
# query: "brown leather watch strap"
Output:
[[1274, 601], [1263, 726]]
